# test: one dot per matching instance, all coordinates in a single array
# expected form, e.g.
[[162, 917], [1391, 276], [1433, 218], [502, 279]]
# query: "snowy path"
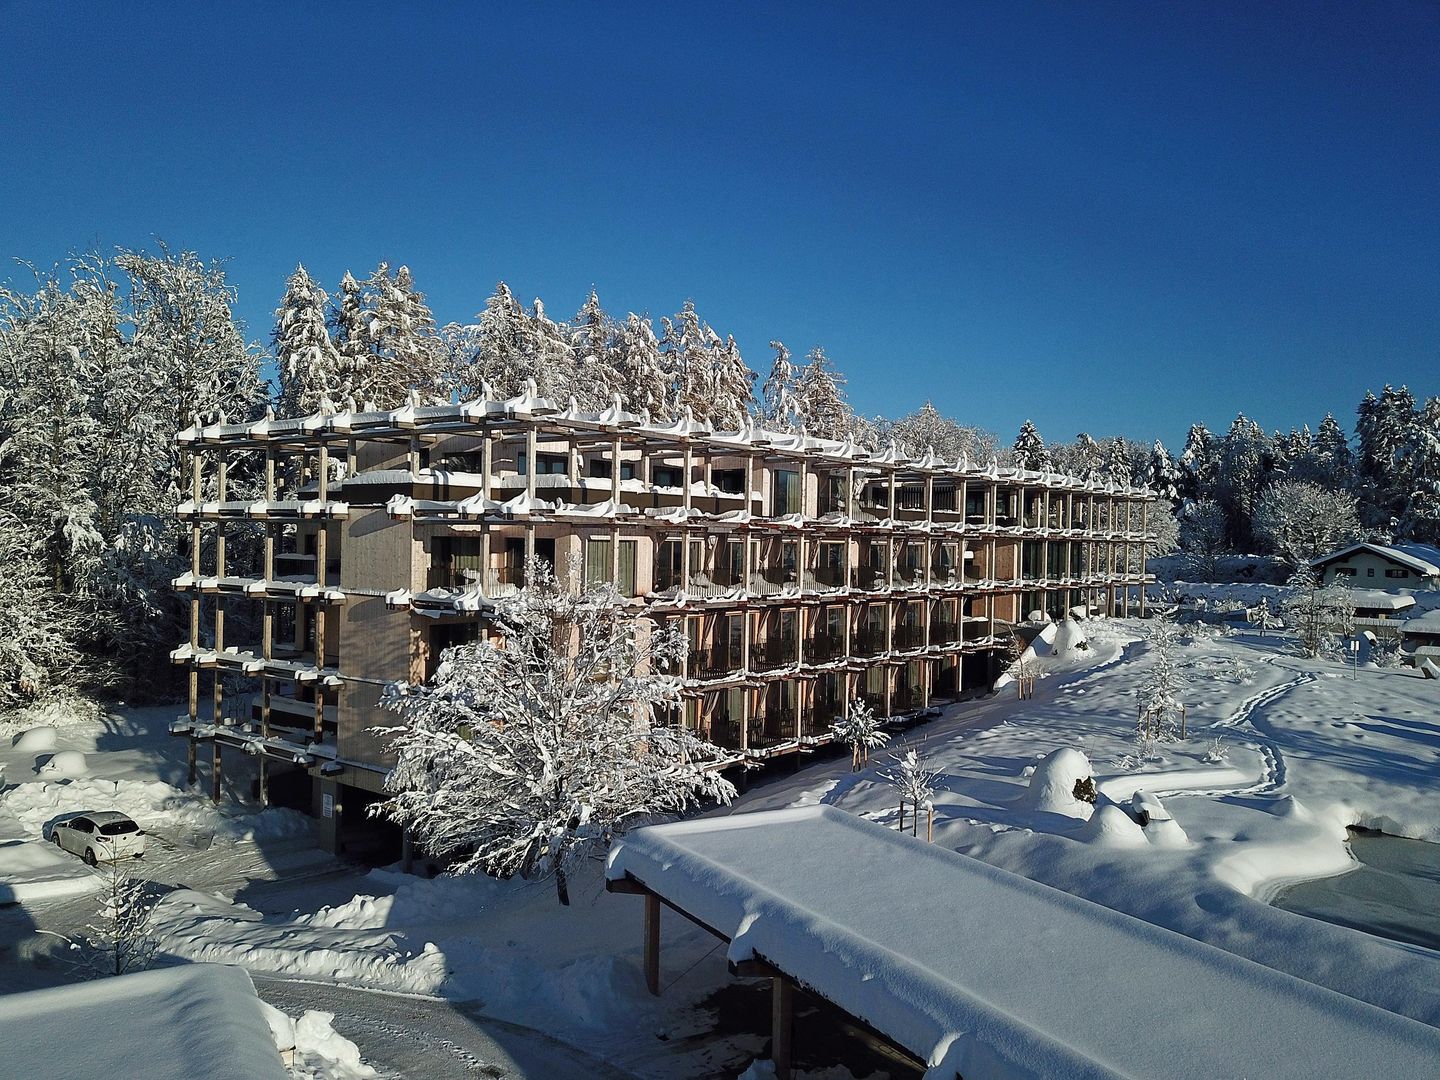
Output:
[[404, 1036]]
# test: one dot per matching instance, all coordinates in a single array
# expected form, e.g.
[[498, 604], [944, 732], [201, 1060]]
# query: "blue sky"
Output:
[[1117, 218]]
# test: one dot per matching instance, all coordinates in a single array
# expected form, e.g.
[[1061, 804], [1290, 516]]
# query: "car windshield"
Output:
[[116, 828]]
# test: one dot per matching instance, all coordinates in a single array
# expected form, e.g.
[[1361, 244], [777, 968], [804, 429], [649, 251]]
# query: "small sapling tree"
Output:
[[859, 729], [915, 783]]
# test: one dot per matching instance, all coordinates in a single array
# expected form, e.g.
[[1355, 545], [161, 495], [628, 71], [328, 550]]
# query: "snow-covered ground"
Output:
[[1308, 751]]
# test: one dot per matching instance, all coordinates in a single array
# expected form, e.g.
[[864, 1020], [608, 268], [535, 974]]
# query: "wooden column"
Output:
[[652, 943], [782, 1024], [215, 770], [195, 538], [217, 705], [321, 555]]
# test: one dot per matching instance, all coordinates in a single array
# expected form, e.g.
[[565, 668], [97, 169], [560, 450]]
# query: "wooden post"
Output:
[[1182, 720], [652, 943], [902, 815], [215, 770], [191, 758], [782, 1016], [930, 827], [264, 781]]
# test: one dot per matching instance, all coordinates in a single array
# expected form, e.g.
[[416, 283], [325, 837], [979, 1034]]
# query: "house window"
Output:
[[1370, 571], [1397, 573], [665, 476], [1344, 571]]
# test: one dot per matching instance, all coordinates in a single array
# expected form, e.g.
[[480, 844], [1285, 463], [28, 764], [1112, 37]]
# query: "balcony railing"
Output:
[[773, 653], [875, 700], [943, 632], [821, 717], [823, 647], [868, 641], [906, 698], [713, 663], [772, 727], [829, 577], [909, 636], [770, 582]]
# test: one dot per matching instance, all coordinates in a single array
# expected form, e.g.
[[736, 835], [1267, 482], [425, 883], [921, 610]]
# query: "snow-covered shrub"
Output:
[[1237, 671], [1055, 781], [1216, 754], [527, 756]]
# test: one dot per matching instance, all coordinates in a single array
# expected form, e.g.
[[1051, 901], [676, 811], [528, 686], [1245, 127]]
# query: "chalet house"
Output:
[[1382, 566], [806, 573]]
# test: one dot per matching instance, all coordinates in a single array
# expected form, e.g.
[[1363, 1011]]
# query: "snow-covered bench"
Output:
[[982, 973]]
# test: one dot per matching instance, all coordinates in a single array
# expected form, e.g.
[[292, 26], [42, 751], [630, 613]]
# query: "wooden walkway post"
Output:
[[782, 1014], [652, 943]]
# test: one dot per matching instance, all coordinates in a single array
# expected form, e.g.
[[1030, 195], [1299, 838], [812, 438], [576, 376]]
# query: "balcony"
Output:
[[868, 641], [909, 576], [771, 728], [944, 632], [906, 699], [871, 577], [771, 582], [827, 577], [874, 699], [776, 652], [824, 647], [714, 663], [909, 636]]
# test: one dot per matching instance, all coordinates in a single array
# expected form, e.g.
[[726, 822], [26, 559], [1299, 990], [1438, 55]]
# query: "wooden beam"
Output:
[[782, 1022], [652, 943]]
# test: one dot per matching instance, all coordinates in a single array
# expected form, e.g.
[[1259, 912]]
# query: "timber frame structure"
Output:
[[349, 549]]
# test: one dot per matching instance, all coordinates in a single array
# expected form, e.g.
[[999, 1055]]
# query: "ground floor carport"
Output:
[[980, 973]]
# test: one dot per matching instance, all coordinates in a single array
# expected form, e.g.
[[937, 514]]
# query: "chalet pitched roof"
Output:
[[1422, 558]]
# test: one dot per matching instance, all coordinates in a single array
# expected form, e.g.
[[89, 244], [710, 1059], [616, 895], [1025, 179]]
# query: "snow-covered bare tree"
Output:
[[1302, 521], [1202, 538], [121, 938], [1319, 614], [307, 360], [927, 429], [527, 755], [1029, 450], [860, 729]]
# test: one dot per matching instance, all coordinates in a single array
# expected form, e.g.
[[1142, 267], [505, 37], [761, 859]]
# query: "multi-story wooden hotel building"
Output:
[[806, 573]]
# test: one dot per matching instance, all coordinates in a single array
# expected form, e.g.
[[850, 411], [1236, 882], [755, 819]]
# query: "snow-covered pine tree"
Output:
[[1120, 462], [1162, 688], [824, 412], [528, 755], [548, 356], [1162, 475], [708, 375], [501, 360], [1417, 461], [595, 360], [1245, 461], [779, 405], [308, 362], [1199, 464], [350, 334], [122, 938], [644, 381], [460, 349], [734, 388], [1029, 450], [1381, 427], [1332, 462], [861, 730], [1085, 458]]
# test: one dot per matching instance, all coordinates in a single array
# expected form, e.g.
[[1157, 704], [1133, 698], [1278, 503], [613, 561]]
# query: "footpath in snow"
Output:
[[982, 973]]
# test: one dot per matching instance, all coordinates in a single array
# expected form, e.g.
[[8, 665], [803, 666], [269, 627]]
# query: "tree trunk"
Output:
[[562, 890]]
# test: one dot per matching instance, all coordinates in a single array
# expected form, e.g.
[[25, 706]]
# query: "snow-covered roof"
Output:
[[1380, 599], [1421, 558], [530, 406], [984, 973], [173, 1023]]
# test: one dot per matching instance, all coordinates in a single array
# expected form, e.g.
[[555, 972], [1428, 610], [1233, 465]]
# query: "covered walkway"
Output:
[[980, 973]]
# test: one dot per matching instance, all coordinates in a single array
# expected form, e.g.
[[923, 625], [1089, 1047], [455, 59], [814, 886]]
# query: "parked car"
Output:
[[104, 836]]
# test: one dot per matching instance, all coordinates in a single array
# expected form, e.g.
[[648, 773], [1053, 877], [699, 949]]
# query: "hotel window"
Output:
[[598, 564], [786, 492]]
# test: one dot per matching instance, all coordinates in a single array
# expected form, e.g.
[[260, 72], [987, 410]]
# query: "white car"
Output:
[[104, 836]]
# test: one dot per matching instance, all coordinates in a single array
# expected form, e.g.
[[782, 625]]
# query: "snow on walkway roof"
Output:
[[169, 1024], [987, 974], [1379, 598]]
